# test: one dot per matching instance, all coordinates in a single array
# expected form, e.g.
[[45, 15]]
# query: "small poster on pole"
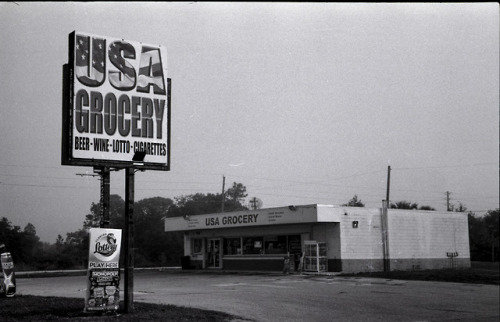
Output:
[[103, 274]]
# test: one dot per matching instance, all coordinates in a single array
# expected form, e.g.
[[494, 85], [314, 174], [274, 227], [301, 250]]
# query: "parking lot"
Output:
[[277, 297]]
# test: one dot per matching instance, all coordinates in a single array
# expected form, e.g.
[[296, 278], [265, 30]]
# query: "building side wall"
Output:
[[330, 234], [416, 264], [428, 240], [364, 241], [362, 265]]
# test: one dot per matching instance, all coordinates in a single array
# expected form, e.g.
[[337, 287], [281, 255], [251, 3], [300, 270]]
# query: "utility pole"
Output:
[[103, 174], [129, 241], [388, 184], [385, 224], [223, 197], [447, 201], [253, 202]]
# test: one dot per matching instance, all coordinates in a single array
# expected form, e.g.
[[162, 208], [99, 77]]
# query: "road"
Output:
[[276, 297]]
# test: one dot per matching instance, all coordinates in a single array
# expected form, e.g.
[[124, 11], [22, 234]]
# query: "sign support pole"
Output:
[[385, 224], [105, 197], [129, 237]]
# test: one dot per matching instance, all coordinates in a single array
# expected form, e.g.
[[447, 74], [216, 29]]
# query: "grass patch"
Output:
[[38, 308]]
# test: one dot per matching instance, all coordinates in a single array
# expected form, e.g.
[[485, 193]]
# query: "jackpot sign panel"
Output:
[[116, 103], [103, 274]]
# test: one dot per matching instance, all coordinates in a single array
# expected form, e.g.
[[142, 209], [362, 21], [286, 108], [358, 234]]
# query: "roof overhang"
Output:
[[260, 217]]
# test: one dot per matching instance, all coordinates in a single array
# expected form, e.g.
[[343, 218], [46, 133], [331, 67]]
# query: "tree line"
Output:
[[153, 247]]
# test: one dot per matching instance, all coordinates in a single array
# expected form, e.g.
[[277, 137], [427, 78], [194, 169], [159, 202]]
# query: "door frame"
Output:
[[214, 259]]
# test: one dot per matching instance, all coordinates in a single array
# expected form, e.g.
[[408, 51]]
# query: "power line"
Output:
[[35, 176], [42, 185], [447, 166], [318, 185]]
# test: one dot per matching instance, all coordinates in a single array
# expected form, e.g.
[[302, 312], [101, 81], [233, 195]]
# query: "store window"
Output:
[[262, 245], [253, 245], [275, 244], [232, 246], [197, 246], [294, 244]]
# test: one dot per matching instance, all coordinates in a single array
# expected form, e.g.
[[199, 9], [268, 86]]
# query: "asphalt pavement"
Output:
[[296, 297]]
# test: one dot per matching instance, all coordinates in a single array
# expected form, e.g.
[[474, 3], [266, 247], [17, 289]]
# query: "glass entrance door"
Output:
[[315, 259], [214, 259]]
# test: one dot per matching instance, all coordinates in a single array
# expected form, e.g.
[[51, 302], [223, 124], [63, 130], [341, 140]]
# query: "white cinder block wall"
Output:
[[417, 240], [427, 239], [361, 246]]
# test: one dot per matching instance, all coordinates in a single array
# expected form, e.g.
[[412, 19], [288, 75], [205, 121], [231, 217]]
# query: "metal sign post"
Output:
[[105, 197], [129, 240], [103, 172], [99, 129]]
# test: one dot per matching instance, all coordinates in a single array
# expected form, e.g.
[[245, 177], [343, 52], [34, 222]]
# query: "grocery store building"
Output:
[[326, 238]]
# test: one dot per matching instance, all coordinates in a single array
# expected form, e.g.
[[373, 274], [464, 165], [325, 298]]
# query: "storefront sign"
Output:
[[271, 216], [117, 102], [103, 275], [231, 220]]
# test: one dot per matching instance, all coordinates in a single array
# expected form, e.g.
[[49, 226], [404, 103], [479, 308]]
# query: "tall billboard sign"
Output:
[[116, 104]]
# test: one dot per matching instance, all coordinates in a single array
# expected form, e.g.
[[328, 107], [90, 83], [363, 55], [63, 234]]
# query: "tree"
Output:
[[484, 236], [234, 197], [236, 193], [30, 244], [404, 205], [199, 203], [196, 204], [461, 207], [116, 214], [30, 230], [491, 222], [354, 202], [409, 205], [11, 236], [59, 242], [24, 245], [153, 245], [75, 250]]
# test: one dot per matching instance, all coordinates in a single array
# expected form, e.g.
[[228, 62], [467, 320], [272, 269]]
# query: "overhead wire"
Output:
[[289, 183]]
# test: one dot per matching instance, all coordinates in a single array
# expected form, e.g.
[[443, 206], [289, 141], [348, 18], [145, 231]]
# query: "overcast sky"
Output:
[[302, 103]]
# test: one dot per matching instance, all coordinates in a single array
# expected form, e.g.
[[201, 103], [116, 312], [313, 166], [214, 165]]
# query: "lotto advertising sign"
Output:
[[117, 103], [103, 275]]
